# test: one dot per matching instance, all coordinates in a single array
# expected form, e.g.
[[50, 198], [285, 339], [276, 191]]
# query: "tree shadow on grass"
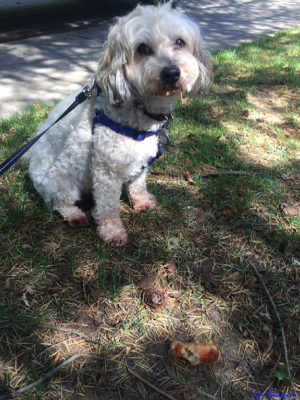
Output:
[[78, 283], [71, 279]]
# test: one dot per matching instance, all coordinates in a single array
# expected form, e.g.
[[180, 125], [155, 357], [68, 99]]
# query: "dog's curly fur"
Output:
[[152, 55]]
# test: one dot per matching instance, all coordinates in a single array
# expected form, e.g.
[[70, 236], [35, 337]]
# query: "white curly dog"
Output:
[[152, 55]]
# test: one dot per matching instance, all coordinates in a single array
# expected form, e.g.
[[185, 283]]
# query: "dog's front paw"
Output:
[[115, 236], [111, 230], [143, 201]]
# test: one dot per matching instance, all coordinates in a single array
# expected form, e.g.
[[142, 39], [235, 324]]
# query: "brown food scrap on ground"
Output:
[[196, 353]]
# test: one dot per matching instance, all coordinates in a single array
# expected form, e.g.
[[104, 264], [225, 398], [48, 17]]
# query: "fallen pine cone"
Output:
[[154, 298], [196, 353]]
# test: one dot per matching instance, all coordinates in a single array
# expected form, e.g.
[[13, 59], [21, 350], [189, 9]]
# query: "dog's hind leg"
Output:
[[64, 202], [60, 190]]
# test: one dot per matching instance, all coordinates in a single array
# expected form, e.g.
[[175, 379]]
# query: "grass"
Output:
[[246, 129]]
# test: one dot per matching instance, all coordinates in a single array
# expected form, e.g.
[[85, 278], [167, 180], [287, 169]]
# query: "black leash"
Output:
[[80, 98]]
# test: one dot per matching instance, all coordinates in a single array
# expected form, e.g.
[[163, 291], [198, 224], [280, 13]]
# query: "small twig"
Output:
[[217, 173], [281, 327], [48, 375], [168, 396], [58, 328]]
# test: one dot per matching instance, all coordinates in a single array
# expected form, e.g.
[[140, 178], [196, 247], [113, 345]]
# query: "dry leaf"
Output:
[[202, 216], [196, 353], [244, 133], [170, 266], [266, 342], [276, 263], [176, 304], [228, 211], [37, 106], [244, 190], [7, 283], [199, 242], [206, 168], [211, 282], [251, 281], [98, 293], [192, 136], [51, 246], [291, 209], [188, 177]]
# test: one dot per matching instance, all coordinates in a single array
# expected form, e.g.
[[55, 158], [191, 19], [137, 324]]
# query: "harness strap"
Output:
[[159, 153], [124, 130], [135, 134]]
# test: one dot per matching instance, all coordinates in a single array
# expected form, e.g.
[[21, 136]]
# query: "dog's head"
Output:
[[155, 51]]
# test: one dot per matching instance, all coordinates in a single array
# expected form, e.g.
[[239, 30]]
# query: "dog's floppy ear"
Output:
[[204, 59], [110, 73], [205, 70], [173, 3]]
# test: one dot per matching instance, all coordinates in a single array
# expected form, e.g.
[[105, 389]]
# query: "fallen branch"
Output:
[[135, 374], [287, 363], [39, 355], [48, 375]]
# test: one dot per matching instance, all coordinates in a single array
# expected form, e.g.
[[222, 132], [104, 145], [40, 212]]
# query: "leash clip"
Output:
[[88, 89], [168, 121]]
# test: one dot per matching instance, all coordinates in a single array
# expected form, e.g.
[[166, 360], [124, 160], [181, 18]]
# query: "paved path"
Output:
[[51, 66]]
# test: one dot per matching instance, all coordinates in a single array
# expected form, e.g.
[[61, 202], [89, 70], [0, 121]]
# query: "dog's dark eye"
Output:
[[180, 43], [144, 50]]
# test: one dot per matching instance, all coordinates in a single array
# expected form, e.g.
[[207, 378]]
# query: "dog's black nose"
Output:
[[170, 75]]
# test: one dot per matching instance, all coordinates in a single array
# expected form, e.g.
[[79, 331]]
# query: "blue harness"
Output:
[[101, 118]]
